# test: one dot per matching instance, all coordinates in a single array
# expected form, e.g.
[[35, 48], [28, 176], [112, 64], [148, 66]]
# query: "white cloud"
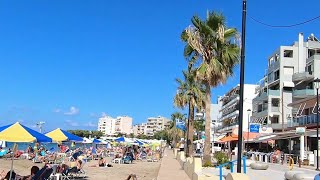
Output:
[[72, 111], [90, 124], [72, 123], [20, 120], [103, 114], [57, 110]]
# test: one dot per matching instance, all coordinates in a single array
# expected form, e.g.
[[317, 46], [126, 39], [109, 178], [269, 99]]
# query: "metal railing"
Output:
[[303, 120], [231, 163]]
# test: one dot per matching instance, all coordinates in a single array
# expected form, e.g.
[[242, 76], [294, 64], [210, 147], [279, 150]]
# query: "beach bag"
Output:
[[127, 160]]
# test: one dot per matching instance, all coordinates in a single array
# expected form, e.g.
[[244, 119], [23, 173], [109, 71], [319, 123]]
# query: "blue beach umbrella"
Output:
[[139, 142], [120, 139], [96, 141], [5, 127]]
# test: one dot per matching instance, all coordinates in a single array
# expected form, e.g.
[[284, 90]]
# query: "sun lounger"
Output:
[[117, 161]]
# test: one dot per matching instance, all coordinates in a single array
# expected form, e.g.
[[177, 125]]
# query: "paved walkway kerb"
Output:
[[170, 168]]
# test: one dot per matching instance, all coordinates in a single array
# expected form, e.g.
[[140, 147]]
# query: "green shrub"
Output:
[[207, 164], [221, 158]]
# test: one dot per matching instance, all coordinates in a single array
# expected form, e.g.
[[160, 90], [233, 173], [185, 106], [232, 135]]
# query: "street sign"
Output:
[[254, 128], [300, 130]]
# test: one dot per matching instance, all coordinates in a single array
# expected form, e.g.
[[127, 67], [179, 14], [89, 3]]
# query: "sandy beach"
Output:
[[143, 170]]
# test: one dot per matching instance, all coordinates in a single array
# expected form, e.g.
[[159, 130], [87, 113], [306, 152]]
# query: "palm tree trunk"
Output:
[[190, 130], [206, 156]]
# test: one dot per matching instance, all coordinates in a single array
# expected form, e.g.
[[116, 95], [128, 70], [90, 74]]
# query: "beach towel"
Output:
[[3, 152]]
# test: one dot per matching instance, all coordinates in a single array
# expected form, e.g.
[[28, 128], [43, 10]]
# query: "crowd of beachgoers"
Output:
[[63, 162]]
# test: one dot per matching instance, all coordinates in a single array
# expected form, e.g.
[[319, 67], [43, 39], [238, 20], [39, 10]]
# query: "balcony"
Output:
[[303, 121], [303, 93], [263, 113], [275, 109], [262, 96], [302, 76], [274, 92]]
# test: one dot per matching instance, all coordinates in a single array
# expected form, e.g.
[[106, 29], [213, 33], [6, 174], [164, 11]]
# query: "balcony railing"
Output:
[[274, 92], [304, 120], [302, 76], [302, 93]]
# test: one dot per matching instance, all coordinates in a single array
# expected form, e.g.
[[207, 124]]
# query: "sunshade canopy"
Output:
[[5, 127], [123, 139], [19, 133], [60, 135]]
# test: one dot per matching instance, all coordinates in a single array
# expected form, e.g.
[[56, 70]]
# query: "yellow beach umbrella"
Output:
[[60, 135], [20, 133]]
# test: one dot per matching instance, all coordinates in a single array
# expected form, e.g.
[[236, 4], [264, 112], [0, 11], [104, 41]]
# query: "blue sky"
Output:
[[68, 62]]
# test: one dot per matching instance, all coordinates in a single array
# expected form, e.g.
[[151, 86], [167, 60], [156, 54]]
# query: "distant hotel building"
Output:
[[112, 126], [155, 124], [229, 118], [139, 129]]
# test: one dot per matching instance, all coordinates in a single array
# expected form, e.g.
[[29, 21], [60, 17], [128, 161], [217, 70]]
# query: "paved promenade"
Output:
[[170, 168]]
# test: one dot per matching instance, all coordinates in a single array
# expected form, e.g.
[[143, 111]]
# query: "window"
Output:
[[259, 107], [271, 61], [276, 75], [275, 120], [270, 77], [275, 102], [277, 57], [309, 69], [288, 53], [311, 52]]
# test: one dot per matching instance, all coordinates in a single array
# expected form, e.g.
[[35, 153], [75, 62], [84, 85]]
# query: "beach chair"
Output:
[[43, 174]]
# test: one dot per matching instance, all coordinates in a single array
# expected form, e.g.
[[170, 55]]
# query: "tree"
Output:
[[190, 93], [174, 133], [199, 126], [215, 46]]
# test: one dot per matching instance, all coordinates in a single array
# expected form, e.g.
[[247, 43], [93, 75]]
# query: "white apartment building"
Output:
[[304, 92], [289, 77], [106, 125], [215, 115], [123, 124], [139, 129], [155, 124], [111, 126], [230, 108]]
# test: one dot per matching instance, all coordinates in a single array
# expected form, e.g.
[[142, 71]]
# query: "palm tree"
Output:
[[190, 93], [174, 133], [215, 46]]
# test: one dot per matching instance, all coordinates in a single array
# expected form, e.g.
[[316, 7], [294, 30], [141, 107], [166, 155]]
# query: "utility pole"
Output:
[[40, 124], [243, 44]]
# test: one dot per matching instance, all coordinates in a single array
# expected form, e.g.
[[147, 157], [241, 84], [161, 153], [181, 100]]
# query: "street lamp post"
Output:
[[242, 58], [316, 83], [248, 111]]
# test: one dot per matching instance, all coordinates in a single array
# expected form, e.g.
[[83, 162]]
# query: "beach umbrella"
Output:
[[4, 127], [124, 139], [86, 141], [140, 143], [19, 133], [120, 139], [60, 135], [96, 141]]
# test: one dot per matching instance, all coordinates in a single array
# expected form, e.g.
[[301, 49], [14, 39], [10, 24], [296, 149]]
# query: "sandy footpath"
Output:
[[143, 170]]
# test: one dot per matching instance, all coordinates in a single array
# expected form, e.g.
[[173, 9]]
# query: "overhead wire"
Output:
[[284, 26]]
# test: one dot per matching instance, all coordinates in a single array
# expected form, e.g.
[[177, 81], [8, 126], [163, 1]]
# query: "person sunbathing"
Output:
[[102, 163]]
